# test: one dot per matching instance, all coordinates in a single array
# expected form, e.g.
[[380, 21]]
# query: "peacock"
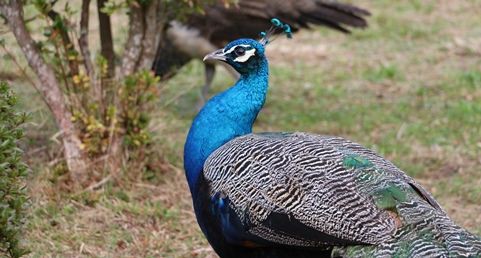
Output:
[[280, 194], [199, 34]]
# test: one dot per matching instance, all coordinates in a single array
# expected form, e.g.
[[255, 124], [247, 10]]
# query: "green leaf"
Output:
[[13, 198]]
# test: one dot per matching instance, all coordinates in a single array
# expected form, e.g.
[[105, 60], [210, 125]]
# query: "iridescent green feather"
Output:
[[388, 197], [353, 161]]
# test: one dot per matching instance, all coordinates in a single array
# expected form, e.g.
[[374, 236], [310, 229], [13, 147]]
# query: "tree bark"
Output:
[[154, 25], [83, 43], [133, 46], [50, 89], [107, 45]]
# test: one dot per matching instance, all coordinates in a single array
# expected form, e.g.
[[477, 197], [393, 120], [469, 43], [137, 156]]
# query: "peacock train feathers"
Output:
[[298, 194]]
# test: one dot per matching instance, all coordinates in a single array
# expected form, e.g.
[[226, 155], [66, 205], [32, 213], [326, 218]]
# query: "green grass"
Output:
[[403, 87]]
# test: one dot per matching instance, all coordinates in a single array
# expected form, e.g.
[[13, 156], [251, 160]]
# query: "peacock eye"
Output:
[[240, 51]]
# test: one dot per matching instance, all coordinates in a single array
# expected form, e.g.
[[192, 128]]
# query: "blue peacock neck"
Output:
[[227, 115]]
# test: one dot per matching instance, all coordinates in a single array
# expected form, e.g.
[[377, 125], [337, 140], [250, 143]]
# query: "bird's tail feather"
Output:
[[427, 232], [302, 13], [337, 15]]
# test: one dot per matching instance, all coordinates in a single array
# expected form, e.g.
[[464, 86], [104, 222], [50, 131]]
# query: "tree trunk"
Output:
[[50, 89], [154, 25], [107, 45], [83, 43], [133, 46]]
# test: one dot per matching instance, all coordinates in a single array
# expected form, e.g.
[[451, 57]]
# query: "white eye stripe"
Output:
[[234, 47], [246, 56]]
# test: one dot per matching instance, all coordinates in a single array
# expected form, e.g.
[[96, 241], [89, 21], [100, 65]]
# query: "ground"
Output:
[[409, 87]]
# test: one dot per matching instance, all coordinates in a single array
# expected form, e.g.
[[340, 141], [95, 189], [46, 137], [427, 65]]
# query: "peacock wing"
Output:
[[305, 190]]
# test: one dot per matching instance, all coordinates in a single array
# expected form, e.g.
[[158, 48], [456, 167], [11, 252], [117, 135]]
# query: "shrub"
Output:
[[13, 171], [97, 103]]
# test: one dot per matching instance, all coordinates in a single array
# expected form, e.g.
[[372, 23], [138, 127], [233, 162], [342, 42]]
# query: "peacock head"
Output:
[[244, 55], [247, 55]]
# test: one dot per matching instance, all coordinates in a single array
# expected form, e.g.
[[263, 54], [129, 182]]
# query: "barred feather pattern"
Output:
[[335, 187], [422, 235]]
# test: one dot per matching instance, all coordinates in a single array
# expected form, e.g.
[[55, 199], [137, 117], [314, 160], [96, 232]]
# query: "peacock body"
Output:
[[299, 194]]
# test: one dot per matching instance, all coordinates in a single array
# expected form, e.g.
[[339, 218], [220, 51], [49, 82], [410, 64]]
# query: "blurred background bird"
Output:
[[200, 34]]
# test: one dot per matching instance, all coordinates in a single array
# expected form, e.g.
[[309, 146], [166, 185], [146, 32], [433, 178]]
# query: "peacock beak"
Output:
[[216, 55]]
